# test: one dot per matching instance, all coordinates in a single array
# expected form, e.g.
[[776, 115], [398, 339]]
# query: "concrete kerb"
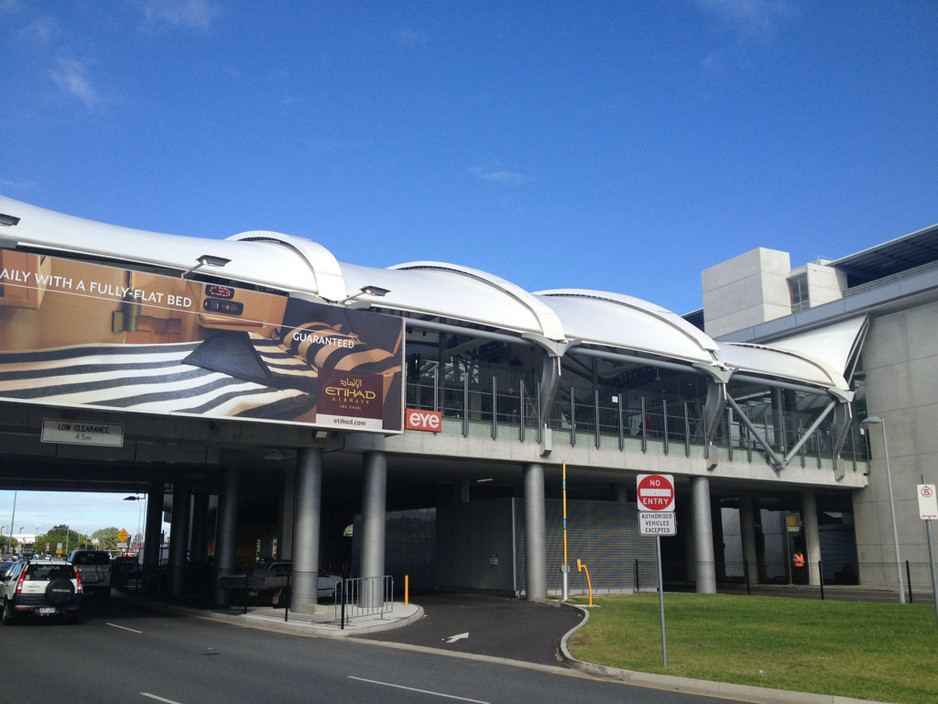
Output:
[[273, 619], [747, 693], [400, 615]]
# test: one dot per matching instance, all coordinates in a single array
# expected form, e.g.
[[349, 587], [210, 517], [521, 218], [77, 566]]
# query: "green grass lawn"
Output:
[[884, 652]]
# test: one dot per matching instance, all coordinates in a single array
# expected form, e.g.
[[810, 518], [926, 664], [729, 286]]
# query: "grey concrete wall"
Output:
[[477, 540], [746, 290], [901, 363]]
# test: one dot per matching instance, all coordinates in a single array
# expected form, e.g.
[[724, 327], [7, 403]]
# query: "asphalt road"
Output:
[[488, 625], [125, 652]]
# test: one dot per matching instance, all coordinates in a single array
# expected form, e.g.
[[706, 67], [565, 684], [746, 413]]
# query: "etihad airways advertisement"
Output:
[[81, 334]]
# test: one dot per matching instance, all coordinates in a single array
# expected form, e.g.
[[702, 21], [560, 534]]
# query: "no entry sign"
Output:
[[655, 492]]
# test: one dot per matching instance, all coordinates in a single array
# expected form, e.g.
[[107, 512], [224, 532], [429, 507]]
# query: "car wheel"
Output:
[[8, 617], [60, 592]]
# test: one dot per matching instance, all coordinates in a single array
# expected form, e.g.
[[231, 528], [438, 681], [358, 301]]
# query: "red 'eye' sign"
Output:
[[428, 421]]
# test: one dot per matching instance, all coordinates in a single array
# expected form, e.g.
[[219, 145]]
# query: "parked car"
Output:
[[41, 588], [94, 566], [267, 584]]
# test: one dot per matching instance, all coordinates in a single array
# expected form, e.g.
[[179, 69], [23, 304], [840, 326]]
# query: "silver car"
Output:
[[42, 589]]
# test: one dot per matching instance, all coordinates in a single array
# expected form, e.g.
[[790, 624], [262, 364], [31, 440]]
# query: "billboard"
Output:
[[80, 334]]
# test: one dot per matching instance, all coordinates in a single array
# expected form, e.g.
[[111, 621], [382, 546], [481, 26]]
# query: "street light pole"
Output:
[[12, 520], [892, 504]]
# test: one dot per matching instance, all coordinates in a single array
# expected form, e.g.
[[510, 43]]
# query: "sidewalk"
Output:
[[400, 614]]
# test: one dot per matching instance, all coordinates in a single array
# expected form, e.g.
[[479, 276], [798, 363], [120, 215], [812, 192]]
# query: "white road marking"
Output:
[[461, 636], [420, 691], [124, 628], [159, 699]]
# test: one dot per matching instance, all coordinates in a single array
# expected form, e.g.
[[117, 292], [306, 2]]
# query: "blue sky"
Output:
[[620, 146]]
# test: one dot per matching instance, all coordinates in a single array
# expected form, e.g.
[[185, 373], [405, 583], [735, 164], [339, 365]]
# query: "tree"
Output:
[[61, 534], [105, 538]]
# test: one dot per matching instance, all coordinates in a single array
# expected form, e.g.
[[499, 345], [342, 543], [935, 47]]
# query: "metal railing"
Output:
[[356, 598], [865, 581], [499, 406]]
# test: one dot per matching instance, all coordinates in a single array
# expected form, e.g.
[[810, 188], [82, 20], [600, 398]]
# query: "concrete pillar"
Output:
[[287, 519], [747, 531], [812, 537], [535, 532], [719, 545], [305, 577], [153, 534], [226, 531], [198, 540], [703, 535], [179, 541], [374, 507]]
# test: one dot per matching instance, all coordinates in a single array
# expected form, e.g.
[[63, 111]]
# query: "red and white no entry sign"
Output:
[[655, 492]]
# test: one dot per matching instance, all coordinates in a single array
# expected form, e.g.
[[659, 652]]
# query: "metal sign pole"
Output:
[[565, 567], [931, 559], [931, 563], [664, 642]]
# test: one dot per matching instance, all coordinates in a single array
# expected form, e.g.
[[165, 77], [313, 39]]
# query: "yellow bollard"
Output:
[[580, 567], [406, 589]]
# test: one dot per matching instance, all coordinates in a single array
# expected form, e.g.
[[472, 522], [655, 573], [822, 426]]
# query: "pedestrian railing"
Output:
[[844, 581], [361, 597], [847, 581]]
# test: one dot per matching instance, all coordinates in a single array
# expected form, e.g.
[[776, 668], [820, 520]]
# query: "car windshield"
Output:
[[49, 572]]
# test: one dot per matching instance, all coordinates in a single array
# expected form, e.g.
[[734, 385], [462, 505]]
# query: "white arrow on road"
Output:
[[461, 636]]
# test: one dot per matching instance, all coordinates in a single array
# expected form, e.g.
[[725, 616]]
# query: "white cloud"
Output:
[[41, 31], [409, 37], [323, 146], [751, 19], [505, 178], [71, 77], [185, 14]]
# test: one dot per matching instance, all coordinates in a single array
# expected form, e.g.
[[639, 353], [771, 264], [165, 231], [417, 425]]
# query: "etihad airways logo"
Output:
[[350, 390]]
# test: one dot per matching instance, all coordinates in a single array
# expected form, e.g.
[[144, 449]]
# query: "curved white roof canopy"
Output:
[[744, 358], [264, 263], [838, 344], [467, 294], [298, 265], [616, 320]]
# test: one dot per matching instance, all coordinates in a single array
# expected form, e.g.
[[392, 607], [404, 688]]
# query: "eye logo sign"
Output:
[[427, 421]]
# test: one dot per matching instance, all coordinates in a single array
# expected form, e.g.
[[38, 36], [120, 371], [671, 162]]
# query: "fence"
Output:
[[361, 597], [496, 402], [867, 581]]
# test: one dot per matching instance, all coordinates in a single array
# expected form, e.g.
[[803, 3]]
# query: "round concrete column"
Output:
[[535, 532], [703, 536], [152, 533], [179, 541], [374, 507], [812, 536], [747, 530], [306, 533], [226, 532]]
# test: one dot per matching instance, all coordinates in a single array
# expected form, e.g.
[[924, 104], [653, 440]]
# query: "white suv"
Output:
[[43, 588]]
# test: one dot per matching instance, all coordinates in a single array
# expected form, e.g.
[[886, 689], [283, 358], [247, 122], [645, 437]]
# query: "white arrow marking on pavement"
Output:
[[461, 636]]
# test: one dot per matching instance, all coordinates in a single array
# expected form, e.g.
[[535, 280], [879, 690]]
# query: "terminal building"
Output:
[[439, 423]]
